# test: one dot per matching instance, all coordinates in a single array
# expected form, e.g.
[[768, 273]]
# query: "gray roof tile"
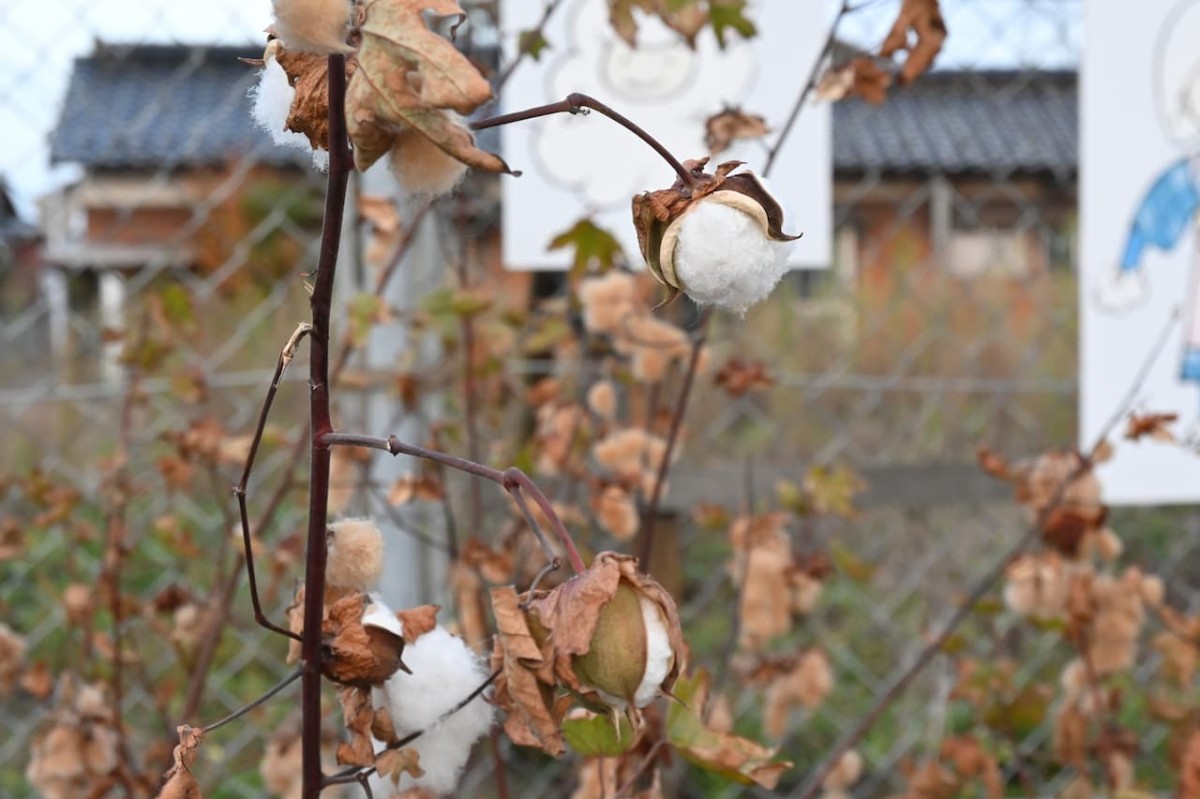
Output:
[[995, 123]]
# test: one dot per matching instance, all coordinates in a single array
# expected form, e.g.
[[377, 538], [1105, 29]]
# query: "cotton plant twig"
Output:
[[581, 103], [341, 163], [512, 480], [285, 357], [985, 584], [262, 700], [650, 514], [773, 153]]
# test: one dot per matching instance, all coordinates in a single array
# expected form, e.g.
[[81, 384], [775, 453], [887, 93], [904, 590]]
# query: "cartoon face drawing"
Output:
[[1177, 74], [655, 70]]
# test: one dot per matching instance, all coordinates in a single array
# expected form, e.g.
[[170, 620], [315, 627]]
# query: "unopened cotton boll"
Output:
[[312, 26], [724, 258], [444, 672]]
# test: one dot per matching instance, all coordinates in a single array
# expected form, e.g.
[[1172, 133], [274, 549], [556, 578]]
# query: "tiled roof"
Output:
[[994, 123], [156, 106]]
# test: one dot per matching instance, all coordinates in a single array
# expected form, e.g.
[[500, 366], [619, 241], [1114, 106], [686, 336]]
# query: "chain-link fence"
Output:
[[146, 295]]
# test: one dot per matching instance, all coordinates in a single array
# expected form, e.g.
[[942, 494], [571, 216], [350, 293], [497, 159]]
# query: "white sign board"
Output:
[[1139, 253], [576, 166]]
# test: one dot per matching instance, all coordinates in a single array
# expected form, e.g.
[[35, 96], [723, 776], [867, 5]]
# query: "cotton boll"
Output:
[[422, 167], [271, 102], [724, 258], [312, 26], [355, 560], [444, 672]]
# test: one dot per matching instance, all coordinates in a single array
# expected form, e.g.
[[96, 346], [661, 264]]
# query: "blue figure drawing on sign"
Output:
[[1170, 209]]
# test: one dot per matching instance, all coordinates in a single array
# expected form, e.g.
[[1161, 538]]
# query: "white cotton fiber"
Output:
[[724, 258], [444, 672]]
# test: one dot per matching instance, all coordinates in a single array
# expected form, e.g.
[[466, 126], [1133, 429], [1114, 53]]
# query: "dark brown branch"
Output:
[[512, 480], [577, 103], [340, 165], [285, 357]]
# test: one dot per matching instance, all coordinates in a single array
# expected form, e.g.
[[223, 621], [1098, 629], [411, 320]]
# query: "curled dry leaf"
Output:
[[525, 688], [740, 377], [418, 621], [396, 762], [358, 715], [805, 685], [731, 756], [179, 782], [861, 77], [358, 654], [720, 130], [1151, 425], [924, 19], [408, 79], [12, 658], [686, 19]]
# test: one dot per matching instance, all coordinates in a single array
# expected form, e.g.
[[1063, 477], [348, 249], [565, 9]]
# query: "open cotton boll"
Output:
[[271, 102], [312, 26], [724, 258], [444, 672]]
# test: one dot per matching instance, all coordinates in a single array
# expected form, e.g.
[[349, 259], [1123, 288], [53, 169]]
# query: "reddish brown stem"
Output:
[[340, 165], [512, 480], [578, 103]]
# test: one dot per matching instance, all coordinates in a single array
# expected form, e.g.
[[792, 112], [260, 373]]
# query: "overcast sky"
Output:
[[40, 38]]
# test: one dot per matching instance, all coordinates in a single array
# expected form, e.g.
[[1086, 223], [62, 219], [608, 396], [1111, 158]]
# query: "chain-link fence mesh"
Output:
[[145, 299]]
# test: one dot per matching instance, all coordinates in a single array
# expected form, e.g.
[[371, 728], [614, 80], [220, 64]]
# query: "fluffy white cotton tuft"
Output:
[[444, 672], [271, 102], [724, 258], [312, 26]]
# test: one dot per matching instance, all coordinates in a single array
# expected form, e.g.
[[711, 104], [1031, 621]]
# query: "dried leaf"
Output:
[[924, 18], [407, 79], [740, 377], [395, 762], [731, 756], [357, 655], [1151, 425], [523, 689], [308, 74], [418, 621], [179, 782], [358, 715], [720, 130]]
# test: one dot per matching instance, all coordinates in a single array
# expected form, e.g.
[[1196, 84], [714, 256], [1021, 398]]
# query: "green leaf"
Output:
[[177, 306], [532, 42], [599, 736], [850, 564], [363, 311], [726, 14], [593, 245], [734, 758]]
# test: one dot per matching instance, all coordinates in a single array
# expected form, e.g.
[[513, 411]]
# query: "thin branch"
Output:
[[809, 85], [650, 515], [285, 357], [512, 480], [271, 692], [508, 70], [983, 586], [340, 165], [577, 103]]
